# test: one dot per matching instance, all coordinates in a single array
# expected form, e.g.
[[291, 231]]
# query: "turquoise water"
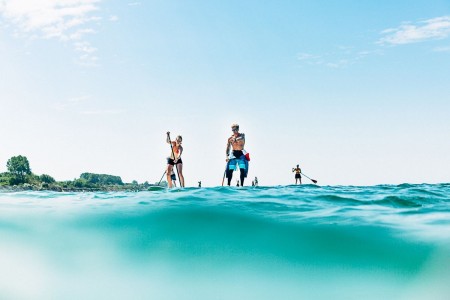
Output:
[[290, 242]]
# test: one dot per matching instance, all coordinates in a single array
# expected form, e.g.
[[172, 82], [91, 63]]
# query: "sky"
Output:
[[355, 92]]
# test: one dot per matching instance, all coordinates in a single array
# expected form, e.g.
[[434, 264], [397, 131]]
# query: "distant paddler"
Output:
[[175, 160], [174, 178], [238, 156], [298, 177], [297, 171]]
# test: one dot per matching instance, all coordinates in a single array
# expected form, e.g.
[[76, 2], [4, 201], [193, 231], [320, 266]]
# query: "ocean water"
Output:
[[283, 242]]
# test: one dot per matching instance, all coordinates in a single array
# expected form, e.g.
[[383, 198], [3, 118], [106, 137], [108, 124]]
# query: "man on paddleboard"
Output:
[[238, 156], [297, 174], [175, 159]]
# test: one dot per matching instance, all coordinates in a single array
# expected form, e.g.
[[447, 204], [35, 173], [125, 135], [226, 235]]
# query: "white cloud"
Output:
[[432, 29], [87, 53], [307, 56], [85, 47], [340, 57], [114, 18], [78, 35], [65, 20], [50, 18]]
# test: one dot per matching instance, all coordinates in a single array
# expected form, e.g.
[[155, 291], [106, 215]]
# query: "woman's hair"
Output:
[[179, 137]]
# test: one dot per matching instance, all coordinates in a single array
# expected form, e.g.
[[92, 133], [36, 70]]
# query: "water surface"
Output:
[[286, 242]]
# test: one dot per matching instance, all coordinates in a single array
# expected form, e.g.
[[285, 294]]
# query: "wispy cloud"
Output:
[[64, 20], [432, 29], [103, 112], [307, 56], [340, 57], [72, 102], [134, 3], [345, 56], [87, 53]]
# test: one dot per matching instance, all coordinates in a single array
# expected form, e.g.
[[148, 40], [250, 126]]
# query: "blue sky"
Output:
[[356, 92]]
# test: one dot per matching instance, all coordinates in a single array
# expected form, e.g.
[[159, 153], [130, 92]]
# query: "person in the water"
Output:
[[172, 161], [297, 171], [174, 178], [236, 157]]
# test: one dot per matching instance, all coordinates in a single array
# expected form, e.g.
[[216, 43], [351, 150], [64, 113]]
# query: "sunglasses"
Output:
[[234, 129]]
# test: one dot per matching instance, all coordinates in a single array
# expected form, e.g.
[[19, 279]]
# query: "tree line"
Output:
[[19, 175]]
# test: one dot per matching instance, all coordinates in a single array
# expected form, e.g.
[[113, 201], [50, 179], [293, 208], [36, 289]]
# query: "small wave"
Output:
[[399, 202], [334, 199]]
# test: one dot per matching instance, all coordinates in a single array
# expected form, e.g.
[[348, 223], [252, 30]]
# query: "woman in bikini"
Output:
[[175, 160]]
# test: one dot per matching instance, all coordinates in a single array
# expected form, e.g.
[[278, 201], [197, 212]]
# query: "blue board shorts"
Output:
[[234, 162], [241, 162]]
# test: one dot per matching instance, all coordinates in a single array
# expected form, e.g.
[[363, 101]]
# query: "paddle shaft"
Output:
[[315, 181], [162, 177], [173, 153], [224, 173]]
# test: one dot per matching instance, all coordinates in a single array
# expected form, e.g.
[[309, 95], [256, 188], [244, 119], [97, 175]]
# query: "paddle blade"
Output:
[[315, 181]]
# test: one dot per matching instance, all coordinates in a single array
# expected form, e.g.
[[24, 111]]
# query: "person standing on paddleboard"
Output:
[[238, 156], [175, 159], [297, 174]]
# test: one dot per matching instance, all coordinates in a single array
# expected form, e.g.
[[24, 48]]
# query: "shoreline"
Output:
[[60, 189]]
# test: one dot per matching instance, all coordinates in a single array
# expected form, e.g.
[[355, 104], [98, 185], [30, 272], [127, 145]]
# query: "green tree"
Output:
[[5, 178], [102, 179], [46, 178], [19, 167], [81, 183], [32, 179]]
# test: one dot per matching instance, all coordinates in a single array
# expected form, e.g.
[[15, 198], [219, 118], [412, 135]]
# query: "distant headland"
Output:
[[20, 178]]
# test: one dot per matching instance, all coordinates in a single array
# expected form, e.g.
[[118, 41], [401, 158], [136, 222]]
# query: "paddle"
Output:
[[162, 177], [173, 153], [224, 173], [314, 181]]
